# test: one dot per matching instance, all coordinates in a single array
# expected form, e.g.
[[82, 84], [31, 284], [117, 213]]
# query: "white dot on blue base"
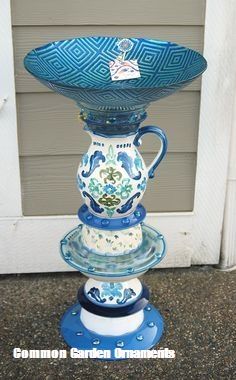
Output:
[[105, 222], [74, 312], [120, 343], [125, 221], [139, 337], [148, 308], [95, 342], [151, 324], [79, 333]]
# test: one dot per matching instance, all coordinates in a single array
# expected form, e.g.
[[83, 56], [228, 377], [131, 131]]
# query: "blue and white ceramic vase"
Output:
[[113, 81], [112, 176]]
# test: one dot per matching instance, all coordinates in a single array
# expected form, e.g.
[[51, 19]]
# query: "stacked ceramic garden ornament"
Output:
[[113, 81]]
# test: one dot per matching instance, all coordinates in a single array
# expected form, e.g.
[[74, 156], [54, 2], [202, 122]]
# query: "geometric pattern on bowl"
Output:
[[78, 68], [150, 253]]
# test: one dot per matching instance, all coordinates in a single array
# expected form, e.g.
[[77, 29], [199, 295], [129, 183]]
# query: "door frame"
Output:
[[30, 244]]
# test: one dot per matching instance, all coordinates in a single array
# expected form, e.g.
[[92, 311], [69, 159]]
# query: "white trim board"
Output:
[[217, 106], [228, 249], [10, 190]]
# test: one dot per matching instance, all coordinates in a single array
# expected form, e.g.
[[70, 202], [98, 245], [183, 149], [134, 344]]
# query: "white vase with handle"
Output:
[[112, 176]]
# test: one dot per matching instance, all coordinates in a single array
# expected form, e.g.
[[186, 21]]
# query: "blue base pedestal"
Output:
[[145, 337]]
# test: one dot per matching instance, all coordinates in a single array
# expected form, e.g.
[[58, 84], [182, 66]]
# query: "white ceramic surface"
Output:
[[112, 176], [111, 326], [113, 278], [113, 293], [105, 242]]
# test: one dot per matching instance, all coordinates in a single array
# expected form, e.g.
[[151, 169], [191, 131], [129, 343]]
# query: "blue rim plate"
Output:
[[150, 253]]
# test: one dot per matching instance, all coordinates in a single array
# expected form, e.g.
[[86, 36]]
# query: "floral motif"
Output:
[[124, 188], [84, 160], [128, 293], [111, 290], [142, 186], [111, 175], [127, 163], [93, 204], [95, 294], [110, 157], [80, 183], [127, 206], [109, 201], [138, 162], [94, 162], [112, 190], [110, 211], [95, 187], [109, 189]]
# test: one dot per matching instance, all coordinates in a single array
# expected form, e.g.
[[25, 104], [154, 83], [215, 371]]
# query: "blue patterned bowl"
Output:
[[79, 69]]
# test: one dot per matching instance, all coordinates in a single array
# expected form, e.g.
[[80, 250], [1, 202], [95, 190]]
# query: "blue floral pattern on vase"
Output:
[[85, 159], [128, 293], [111, 291], [80, 183], [93, 204], [109, 189], [138, 162], [111, 157], [95, 294], [95, 188], [127, 206], [124, 188], [128, 164], [142, 185], [115, 177], [110, 211], [94, 161], [109, 185]]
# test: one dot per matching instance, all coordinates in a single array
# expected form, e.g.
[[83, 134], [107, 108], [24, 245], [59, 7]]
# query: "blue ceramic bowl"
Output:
[[79, 69]]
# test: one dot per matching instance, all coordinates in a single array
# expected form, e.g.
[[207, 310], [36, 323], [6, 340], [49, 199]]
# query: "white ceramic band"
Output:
[[116, 279], [111, 326]]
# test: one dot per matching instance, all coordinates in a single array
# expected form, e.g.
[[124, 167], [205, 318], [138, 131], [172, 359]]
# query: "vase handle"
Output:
[[160, 155]]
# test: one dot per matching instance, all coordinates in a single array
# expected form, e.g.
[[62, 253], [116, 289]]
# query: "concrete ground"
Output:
[[198, 304]]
